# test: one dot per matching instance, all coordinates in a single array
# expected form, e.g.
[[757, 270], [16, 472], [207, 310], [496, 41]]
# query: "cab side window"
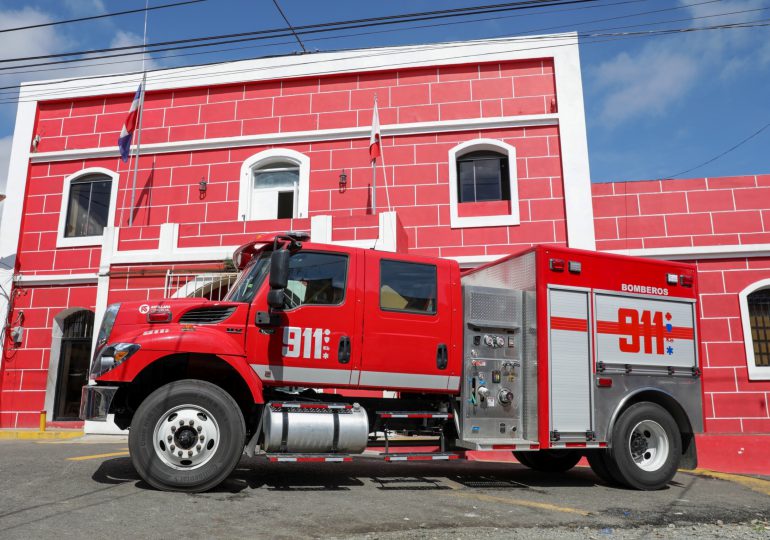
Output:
[[316, 279], [408, 287]]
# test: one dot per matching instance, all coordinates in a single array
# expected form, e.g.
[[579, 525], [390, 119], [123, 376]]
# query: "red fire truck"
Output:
[[319, 352]]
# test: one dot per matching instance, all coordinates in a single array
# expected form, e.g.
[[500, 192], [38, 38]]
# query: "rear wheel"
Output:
[[597, 459], [646, 447], [186, 436], [549, 460]]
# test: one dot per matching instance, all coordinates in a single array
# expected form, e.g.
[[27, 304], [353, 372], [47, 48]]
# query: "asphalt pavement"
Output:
[[70, 489]]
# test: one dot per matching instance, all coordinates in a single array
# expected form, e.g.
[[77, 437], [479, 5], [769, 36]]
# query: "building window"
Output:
[[755, 318], [408, 287], [483, 188], [481, 177], [274, 191], [759, 318], [88, 206], [274, 185]]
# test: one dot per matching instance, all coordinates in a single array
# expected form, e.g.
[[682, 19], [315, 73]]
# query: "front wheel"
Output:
[[646, 447], [186, 436]]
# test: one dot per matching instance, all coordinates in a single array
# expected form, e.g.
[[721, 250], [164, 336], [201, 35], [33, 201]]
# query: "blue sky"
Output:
[[655, 106]]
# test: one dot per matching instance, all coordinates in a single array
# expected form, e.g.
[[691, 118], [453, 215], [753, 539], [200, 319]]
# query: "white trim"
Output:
[[55, 279], [267, 157], [94, 240], [483, 221], [293, 66], [756, 373], [320, 135], [576, 174], [698, 252]]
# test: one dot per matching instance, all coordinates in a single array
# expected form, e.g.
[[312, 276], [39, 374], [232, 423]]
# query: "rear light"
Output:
[[604, 382], [557, 265], [575, 267], [672, 279], [685, 281], [159, 316]]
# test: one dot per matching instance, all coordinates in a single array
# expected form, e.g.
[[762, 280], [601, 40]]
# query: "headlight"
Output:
[[107, 323], [111, 357]]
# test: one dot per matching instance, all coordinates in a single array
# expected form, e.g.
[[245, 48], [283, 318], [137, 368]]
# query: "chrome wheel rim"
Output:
[[186, 437], [649, 446]]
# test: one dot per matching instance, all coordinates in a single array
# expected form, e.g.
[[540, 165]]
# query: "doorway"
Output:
[[74, 362]]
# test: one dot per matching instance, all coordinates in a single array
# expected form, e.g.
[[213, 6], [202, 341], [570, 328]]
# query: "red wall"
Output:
[[703, 212]]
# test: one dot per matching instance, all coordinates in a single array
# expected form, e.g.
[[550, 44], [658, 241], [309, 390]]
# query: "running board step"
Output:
[[415, 414], [309, 458], [420, 457]]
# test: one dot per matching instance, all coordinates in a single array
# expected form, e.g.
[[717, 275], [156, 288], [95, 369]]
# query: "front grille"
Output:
[[207, 315]]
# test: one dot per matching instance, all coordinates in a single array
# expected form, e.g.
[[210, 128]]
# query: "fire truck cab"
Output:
[[318, 352]]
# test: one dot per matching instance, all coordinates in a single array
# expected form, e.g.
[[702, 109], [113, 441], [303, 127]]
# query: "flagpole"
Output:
[[141, 112], [374, 163]]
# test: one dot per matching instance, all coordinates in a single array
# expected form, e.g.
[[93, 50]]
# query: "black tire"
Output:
[[549, 460], [208, 414], [646, 447], [597, 459]]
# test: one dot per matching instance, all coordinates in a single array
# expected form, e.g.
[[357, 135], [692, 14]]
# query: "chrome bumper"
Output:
[[95, 402]]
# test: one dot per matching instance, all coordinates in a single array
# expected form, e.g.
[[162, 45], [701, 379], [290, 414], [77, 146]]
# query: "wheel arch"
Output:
[[228, 374], [689, 459]]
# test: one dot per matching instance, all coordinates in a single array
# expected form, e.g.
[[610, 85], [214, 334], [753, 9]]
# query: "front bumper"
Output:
[[95, 402]]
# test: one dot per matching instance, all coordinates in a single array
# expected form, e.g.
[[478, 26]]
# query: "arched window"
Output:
[[483, 189], [274, 185], [88, 206], [755, 314]]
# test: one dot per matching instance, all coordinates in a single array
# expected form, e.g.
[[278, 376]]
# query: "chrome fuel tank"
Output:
[[315, 428]]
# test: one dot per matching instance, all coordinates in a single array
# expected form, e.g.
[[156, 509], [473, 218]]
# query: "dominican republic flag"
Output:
[[374, 138], [124, 142]]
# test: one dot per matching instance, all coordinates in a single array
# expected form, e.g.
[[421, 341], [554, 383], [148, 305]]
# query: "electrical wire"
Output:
[[102, 16], [588, 38], [712, 160], [314, 28], [286, 20]]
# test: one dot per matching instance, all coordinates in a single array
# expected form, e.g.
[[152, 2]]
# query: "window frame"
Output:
[[91, 240], [346, 256], [266, 158], [433, 313], [756, 373], [494, 220]]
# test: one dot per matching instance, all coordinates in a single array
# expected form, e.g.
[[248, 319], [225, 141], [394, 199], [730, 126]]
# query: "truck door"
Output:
[[407, 325], [313, 343], [570, 363]]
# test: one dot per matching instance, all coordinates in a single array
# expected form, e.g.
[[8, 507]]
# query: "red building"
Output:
[[483, 152]]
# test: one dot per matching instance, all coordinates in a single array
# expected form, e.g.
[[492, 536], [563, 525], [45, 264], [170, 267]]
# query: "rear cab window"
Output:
[[408, 287]]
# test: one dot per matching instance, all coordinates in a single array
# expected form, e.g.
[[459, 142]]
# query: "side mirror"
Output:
[[275, 298], [279, 269]]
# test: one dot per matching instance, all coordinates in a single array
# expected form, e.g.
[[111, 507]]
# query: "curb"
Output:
[[27, 435], [760, 485]]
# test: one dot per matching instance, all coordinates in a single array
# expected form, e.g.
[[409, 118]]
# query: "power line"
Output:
[[326, 27], [102, 16], [712, 160], [589, 38], [278, 7]]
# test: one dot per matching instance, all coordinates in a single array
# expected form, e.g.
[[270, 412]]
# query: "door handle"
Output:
[[343, 352], [442, 357]]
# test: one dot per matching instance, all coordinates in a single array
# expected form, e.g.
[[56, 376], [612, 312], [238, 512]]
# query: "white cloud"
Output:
[[85, 7], [652, 79]]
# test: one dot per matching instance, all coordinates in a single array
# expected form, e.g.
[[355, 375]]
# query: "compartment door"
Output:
[[569, 362]]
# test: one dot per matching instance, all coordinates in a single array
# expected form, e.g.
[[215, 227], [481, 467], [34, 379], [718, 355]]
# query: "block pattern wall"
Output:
[[25, 372], [726, 211], [415, 167]]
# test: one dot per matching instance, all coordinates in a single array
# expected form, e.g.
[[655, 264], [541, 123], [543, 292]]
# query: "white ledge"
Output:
[[319, 135], [698, 252], [55, 279]]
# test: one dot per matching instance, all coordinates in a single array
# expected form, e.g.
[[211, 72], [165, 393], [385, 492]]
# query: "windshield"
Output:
[[250, 280]]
